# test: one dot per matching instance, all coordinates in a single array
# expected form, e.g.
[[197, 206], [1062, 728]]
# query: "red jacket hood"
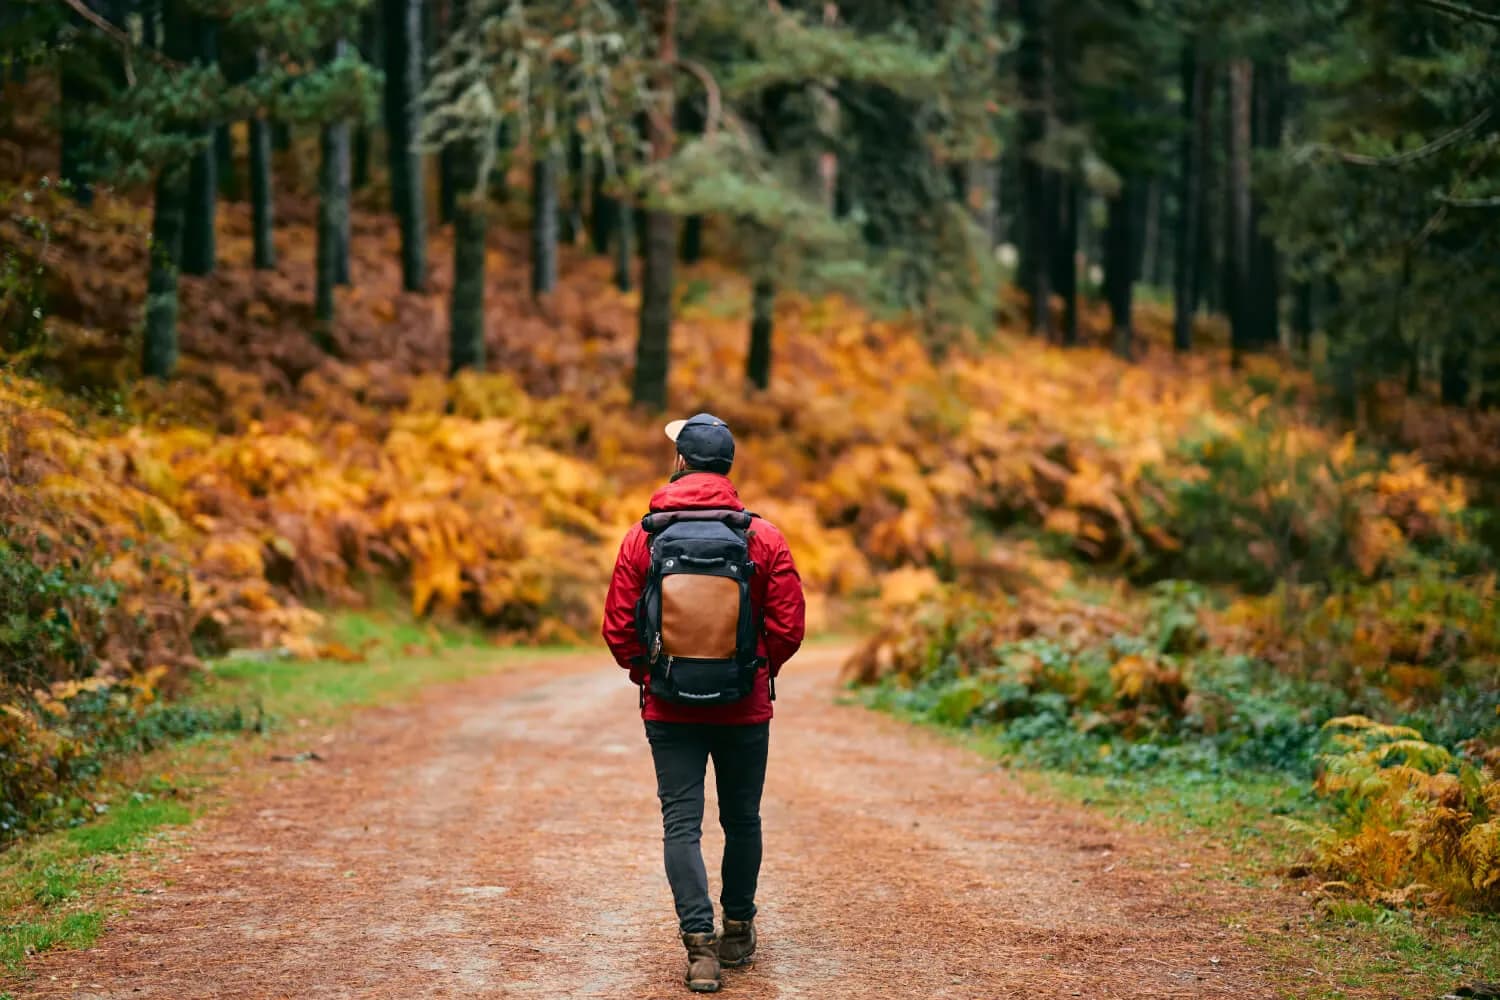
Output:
[[697, 491]]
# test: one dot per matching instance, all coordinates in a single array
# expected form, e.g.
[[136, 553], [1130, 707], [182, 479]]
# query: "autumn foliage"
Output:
[[271, 479], [1418, 819]]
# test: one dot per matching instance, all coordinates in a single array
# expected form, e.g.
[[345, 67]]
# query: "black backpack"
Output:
[[694, 616]]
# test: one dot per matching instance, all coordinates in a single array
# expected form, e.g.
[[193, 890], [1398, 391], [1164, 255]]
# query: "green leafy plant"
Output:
[[1415, 816]]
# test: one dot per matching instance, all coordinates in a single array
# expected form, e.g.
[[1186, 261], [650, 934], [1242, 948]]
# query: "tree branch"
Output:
[[1437, 145], [118, 36], [1443, 200], [1493, 202], [711, 88], [1462, 12]]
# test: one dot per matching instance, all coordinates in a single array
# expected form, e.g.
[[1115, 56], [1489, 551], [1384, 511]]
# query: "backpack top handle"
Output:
[[661, 520]]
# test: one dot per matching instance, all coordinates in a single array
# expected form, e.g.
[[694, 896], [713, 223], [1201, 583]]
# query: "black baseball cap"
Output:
[[704, 440]]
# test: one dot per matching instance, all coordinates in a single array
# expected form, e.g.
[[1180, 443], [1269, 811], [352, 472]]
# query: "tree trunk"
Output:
[[198, 250], [1036, 95], [1265, 261], [624, 243], [442, 20], [81, 88], [1302, 319], [1208, 284], [359, 171], [982, 181], [762, 322], [333, 196], [1070, 202], [689, 118], [448, 170], [571, 224], [544, 223], [261, 191], [150, 26], [1059, 206], [471, 217], [1150, 232], [403, 82], [326, 270], [159, 357], [225, 175], [1489, 384], [370, 50], [1237, 262], [159, 347], [343, 217], [1454, 374], [692, 239], [76, 94], [238, 66], [640, 218], [603, 212], [499, 190], [333, 211], [652, 355], [1192, 150], [1120, 245]]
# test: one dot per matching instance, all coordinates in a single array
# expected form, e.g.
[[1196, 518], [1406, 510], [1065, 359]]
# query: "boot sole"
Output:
[[703, 985], [748, 960]]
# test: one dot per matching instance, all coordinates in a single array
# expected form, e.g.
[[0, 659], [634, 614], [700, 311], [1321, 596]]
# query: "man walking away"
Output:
[[704, 609]]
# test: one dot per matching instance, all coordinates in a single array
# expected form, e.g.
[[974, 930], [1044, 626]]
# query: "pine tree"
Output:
[[160, 347], [402, 35], [1034, 73], [333, 213], [762, 322], [198, 238], [262, 187], [544, 224], [470, 222], [1195, 75], [1238, 223], [652, 356]]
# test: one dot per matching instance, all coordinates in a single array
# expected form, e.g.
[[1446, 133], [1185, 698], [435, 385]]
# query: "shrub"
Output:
[[1421, 643], [1147, 695], [52, 616], [1276, 503], [55, 741], [1413, 813], [24, 238]]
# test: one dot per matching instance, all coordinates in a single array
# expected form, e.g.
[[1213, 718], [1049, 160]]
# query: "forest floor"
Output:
[[499, 836]]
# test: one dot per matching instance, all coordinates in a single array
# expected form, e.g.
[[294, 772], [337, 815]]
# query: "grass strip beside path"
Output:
[[1251, 827], [57, 890]]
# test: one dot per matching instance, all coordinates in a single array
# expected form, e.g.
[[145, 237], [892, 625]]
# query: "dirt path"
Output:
[[501, 839]]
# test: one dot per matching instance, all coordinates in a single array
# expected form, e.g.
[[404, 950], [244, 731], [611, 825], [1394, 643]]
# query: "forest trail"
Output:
[[500, 838]]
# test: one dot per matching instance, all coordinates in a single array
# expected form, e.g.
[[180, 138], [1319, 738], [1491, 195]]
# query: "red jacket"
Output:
[[775, 591]]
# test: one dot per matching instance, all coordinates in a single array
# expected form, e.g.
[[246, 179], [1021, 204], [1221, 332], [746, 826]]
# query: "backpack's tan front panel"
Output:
[[700, 616]]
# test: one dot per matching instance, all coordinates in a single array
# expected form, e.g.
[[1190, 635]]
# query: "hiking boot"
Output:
[[737, 946], [703, 962]]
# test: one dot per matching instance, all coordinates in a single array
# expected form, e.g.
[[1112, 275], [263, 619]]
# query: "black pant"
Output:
[[681, 751]]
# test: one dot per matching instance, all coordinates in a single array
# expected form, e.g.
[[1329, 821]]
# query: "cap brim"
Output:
[[675, 428]]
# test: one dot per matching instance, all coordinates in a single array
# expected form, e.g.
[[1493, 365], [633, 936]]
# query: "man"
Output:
[[704, 609]]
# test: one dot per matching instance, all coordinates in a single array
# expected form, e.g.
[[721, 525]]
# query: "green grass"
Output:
[[52, 885], [1249, 807], [402, 658], [57, 890], [1352, 948]]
